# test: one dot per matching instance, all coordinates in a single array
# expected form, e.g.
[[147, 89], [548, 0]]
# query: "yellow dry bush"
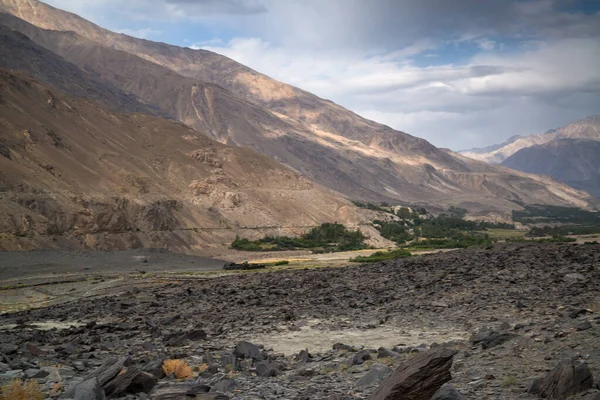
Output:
[[19, 390], [179, 368]]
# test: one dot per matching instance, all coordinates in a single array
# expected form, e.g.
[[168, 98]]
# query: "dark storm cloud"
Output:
[[236, 7], [396, 23]]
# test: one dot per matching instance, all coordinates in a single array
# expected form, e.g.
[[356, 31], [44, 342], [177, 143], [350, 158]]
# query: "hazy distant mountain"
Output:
[[493, 147], [324, 142], [588, 128], [575, 162]]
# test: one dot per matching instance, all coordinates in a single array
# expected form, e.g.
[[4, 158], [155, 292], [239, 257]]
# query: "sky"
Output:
[[459, 73]]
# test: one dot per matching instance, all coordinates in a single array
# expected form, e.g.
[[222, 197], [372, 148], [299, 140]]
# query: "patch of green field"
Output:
[[505, 233]]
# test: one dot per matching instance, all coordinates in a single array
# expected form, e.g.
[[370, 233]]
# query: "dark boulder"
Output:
[[89, 390], [224, 386], [265, 369], [447, 392], [360, 357], [569, 377], [376, 374], [248, 350], [418, 378]]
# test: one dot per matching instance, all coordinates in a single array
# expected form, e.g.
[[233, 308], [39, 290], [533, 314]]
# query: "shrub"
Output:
[[179, 368], [283, 262], [382, 256], [19, 390], [328, 236]]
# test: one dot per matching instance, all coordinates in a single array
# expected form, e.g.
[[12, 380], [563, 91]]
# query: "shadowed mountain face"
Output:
[[588, 128], [575, 162], [91, 178], [328, 144]]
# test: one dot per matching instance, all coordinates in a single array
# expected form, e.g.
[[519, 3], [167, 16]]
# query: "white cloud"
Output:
[[371, 55], [488, 98], [486, 44]]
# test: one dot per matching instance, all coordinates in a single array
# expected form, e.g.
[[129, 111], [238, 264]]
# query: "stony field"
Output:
[[508, 313]]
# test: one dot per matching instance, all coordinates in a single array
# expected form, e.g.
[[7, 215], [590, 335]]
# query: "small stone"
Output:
[[224, 386], [382, 352], [583, 326], [574, 278], [360, 357]]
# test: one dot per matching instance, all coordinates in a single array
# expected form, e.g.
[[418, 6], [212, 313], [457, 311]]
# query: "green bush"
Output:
[[328, 237], [382, 256]]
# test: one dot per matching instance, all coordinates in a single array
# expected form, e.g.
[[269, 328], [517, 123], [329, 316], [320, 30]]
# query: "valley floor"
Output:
[[543, 300]]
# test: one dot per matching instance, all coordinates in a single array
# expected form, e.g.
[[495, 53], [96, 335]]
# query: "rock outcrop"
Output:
[[418, 378]]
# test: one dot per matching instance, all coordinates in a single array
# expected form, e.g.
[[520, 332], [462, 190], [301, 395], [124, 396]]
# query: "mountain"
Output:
[[588, 128], [494, 147], [74, 174], [21, 53], [575, 162], [320, 140]]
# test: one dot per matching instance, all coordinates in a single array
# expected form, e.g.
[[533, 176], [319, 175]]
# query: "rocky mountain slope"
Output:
[[324, 142], [575, 162], [76, 175], [588, 128]]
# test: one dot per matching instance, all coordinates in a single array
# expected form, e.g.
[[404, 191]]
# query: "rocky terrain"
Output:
[[332, 146], [501, 316]]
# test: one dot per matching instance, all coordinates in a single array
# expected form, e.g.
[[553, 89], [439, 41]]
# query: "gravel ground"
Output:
[[531, 304]]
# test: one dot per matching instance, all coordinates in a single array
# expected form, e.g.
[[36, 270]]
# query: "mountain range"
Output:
[[570, 154], [588, 128], [142, 129]]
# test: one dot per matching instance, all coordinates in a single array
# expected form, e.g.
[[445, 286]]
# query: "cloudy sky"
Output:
[[460, 73]]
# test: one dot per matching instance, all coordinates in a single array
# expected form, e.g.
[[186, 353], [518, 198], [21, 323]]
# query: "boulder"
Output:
[[360, 357], [265, 369], [382, 352], [224, 386], [376, 374], [418, 378], [569, 377], [247, 350], [89, 390], [447, 392], [496, 339]]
